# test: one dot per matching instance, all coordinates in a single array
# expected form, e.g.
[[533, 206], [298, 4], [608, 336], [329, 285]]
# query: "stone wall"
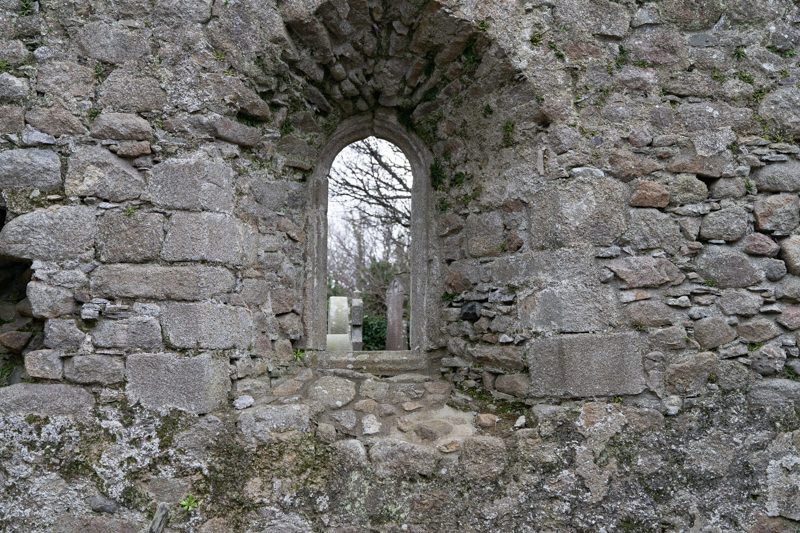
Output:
[[611, 213]]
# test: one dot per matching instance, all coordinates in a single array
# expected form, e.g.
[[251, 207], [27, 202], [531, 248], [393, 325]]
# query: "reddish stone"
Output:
[[650, 194], [760, 244]]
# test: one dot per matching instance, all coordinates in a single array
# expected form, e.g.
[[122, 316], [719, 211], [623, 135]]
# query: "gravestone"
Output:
[[338, 338], [395, 325]]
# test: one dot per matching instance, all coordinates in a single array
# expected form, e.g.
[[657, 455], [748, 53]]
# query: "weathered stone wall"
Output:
[[612, 197]]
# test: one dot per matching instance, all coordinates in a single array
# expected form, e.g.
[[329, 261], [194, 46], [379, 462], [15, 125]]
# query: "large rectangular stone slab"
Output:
[[206, 325], [49, 234], [587, 365], [125, 237], [209, 237], [103, 369], [139, 333], [94, 171], [45, 399], [160, 282], [166, 380], [30, 168], [196, 183]]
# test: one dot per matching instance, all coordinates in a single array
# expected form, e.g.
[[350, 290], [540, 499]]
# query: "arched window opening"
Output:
[[369, 216]]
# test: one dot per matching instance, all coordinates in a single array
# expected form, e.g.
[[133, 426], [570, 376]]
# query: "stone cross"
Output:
[[395, 329]]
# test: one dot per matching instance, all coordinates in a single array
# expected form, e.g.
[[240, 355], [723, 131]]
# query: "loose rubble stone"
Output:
[[94, 171], [779, 212], [161, 283], [163, 380], [103, 369], [332, 392], [121, 126]]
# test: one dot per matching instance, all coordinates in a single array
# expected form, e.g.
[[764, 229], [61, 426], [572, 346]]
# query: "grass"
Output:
[[558, 53], [717, 76], [622, 57], [25, 7], [536, 39], [287, 127], [93, 113], [739, 52], [483, 26], [508, 133], [745, 77], [759, 94]]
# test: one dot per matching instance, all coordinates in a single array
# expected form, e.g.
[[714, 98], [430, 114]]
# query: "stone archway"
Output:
[[382, 124]]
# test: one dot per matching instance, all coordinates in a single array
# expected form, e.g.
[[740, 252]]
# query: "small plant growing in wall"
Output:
[[508, 133], [298, 356], [26, 8], [483, 26], [739, 52], [189, 503], [287, 127], [437, 175]]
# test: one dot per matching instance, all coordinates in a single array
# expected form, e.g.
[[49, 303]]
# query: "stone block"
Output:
[[111, 43], [790, 253], [164, 380], [570, 307], [650, 313], [398, 458], [53, 234], [160, 282], [726, 224], [126, 90], [728, 268], [94, 171], [760, 244], [650, 228], [506, 357], [261, 423], [332, 392], [45, 364], [690, 375], [30, 168], [586, 365], [209, 237], [103, 369], [778, 212], [712, 332], [638, 272], [206, 325], [484, 234], [778, 177], [64, 78], [130, 238], [513, 384], [758, 330], [768, 360], [45, 399], [121, 127], [12, 119], [194, 183], [48, 301], [740, 302], [650, 194], [55, 121], [140, 333], [483, 458], [780, 109], [236, 132], [63, 334], [13, 89]]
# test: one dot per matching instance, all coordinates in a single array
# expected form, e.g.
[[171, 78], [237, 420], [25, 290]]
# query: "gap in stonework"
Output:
[[369, 220]]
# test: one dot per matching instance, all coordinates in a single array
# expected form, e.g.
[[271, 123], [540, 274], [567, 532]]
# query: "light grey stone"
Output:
[[689, 375], [63, 334], [195, 183], [130, 238], [55, 121], [206, 325], [103, 369], [46, 364], [758, 330], [778, 212], [45, 399], [121, 127], [262, 422], [209, 237], [126, 90], [728, 268], [778, 177], [569, 307], [768, 360], [728, 224], [586, 365], [49, 234], [638, 272], [790, 253], [48, 301], [332, 392], [64, 78], [370, 425], [780, 109], [649, 229], [740, 302], [94, 171], [160, 283], [774, 269], [30, 168], [397, 458], [139, 333], [243, 402], [13, 89], [165, 380], [712, 332], [111, 43]]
